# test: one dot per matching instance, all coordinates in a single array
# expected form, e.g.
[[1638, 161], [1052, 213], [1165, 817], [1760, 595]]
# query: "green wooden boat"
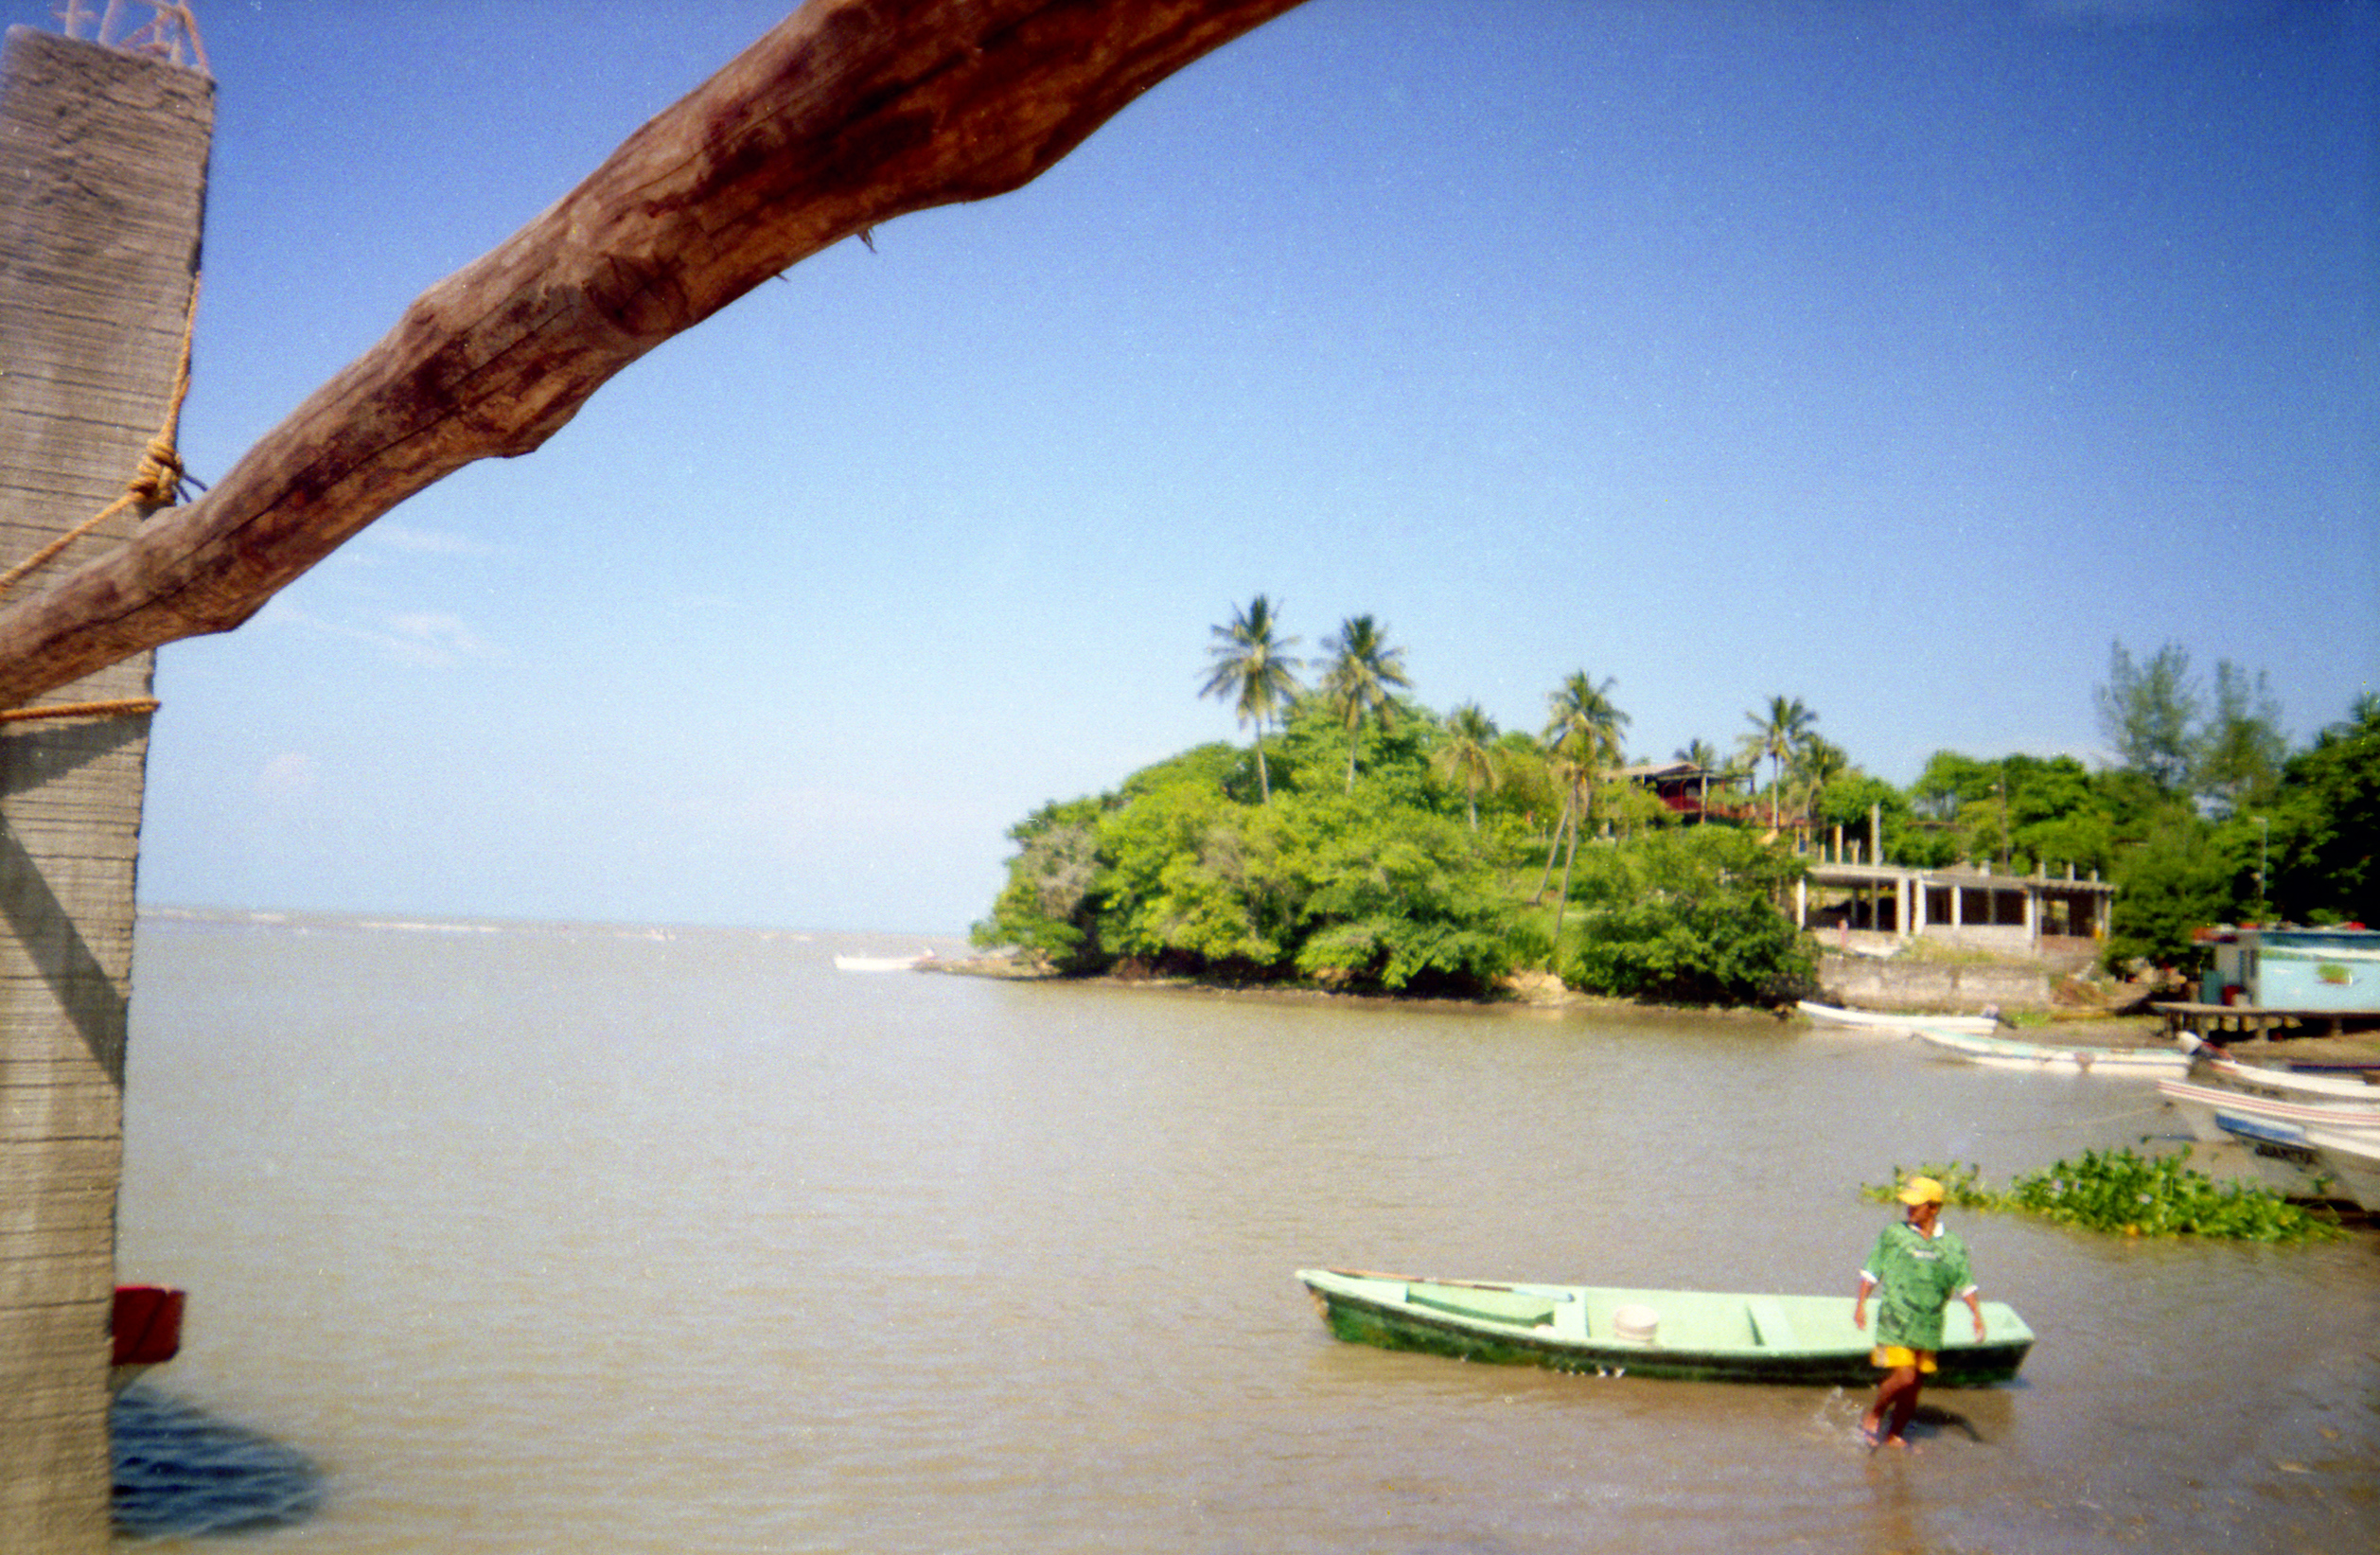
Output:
[[1682, 1334]]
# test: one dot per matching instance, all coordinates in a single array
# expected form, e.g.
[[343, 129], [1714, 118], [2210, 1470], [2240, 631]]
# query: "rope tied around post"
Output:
[[157, 480], [114, 707]]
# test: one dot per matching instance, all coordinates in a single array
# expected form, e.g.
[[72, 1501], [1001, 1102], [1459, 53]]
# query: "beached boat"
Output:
[[2352, 1165], [2219, 1112], [2298, 1161], [1892, 1023], [146, 1326], [2217, 1067], [879, 963], [2008, 1052], [1670, 1334]]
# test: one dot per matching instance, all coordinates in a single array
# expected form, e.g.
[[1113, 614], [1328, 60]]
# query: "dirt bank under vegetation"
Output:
[[1532, 990]]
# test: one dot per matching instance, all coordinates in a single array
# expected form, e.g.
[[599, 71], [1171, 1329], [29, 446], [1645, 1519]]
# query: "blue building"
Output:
[[2312, 969]]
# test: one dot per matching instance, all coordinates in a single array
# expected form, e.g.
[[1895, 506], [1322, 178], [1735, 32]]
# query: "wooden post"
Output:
[[847, 114], [102, 173]]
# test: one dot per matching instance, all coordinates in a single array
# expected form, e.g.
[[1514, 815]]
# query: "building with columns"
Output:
[[1876, 909]]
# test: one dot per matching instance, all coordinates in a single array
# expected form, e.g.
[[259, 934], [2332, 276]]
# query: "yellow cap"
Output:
[[1921, 1190]]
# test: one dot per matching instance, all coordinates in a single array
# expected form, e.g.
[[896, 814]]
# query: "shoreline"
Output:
[[1533, 992]]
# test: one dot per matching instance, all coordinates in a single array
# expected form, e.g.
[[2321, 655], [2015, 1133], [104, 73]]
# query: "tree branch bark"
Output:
[[848, 114]]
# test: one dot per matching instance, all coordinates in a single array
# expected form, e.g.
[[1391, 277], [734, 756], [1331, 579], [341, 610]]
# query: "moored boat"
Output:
[[2217, 1067], [1670, 1334], [2006, 1052], [2308, 1162], [2217, 1113], [2352, 1165], [1892, 1023]]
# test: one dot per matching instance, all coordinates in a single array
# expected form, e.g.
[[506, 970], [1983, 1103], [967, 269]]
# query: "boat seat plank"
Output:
[[1500, 1306]]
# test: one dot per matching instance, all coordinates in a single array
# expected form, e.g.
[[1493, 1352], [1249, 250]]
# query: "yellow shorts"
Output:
[[1892, 1357]]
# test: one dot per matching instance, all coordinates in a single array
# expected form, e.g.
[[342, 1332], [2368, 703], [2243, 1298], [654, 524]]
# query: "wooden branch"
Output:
[[846, 114]]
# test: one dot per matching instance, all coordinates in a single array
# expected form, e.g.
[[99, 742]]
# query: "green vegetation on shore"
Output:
[[1372, 844]]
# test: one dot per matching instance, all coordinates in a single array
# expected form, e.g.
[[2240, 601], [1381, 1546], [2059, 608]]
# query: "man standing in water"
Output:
[[1922, 1268]]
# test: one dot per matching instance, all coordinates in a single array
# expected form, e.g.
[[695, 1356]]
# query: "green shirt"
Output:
[[1919, 1276]]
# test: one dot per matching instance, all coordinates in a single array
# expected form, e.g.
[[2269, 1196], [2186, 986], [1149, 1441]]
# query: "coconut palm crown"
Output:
[[1776, 735], [1467, 752], [1582, 737], [1253, 670], [1362, 667]]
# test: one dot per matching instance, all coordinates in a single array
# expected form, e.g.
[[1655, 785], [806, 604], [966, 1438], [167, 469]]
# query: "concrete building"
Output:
[[1876, 909]]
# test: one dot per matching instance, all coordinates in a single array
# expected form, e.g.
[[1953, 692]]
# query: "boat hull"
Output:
[[2219, 1112], [2288, 1085], [1806, 1340], [2353, 1166], [1833, 1018], [2002, 1053]]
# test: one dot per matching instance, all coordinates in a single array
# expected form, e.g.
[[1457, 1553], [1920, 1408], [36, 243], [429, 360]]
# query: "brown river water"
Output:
[[543, 1238]]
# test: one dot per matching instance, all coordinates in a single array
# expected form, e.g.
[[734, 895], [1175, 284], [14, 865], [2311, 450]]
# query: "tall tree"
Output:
[[1819, 764], [1776, 733], [2240, 751], [1362, 667], [1253, 671], [2147, 713], [1467, 753], [2326, 828], [1583, 735]]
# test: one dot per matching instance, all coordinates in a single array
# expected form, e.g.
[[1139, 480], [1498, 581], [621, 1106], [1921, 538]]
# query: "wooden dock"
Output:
[[2249, 1022]]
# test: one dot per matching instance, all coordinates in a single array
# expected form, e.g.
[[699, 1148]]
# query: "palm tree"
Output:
[[1253, 672], [1776, 735], [1818, 764], [1468, 752], [1700, 755], [1582, 736], [1362, 667]]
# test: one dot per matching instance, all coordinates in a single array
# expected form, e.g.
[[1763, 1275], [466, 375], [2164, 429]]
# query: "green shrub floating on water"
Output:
[[2130, 1194]]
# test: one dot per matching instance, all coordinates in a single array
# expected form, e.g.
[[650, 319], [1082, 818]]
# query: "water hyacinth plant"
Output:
[[2126, 1193]]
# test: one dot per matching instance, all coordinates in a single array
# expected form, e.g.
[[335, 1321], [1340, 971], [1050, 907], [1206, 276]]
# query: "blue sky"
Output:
[[1898, 357]]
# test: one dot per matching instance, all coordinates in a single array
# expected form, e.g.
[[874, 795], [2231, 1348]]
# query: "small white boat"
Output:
[[880, 963], [2217, 1067], [1893, 1023], [2309, 1162], [2352, 1165], [2216, 1113], [2008, 1053]]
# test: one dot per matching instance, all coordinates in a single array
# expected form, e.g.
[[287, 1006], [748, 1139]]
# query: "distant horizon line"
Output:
[[496, 923]]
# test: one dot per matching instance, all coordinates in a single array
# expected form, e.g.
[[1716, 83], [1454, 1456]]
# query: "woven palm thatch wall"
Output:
[[102, 181]]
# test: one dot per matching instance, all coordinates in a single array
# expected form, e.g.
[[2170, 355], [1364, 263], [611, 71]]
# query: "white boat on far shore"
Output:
[[1894, 1022], [880, 963], [2219, 1068], [2008, 1053]]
